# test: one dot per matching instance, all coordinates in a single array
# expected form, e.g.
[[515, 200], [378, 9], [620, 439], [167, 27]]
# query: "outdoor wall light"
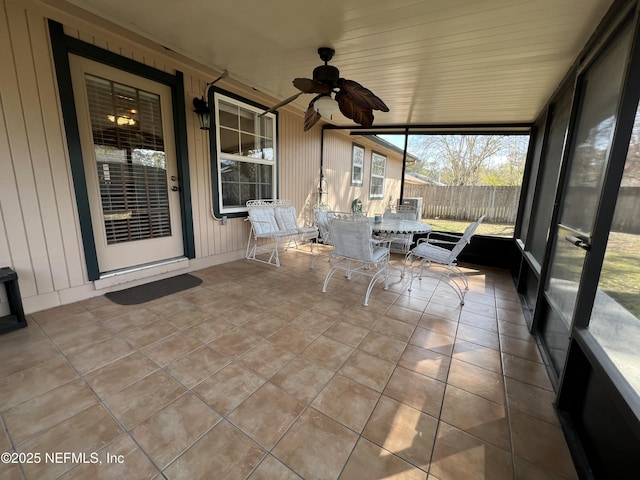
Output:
[[204, 112], [326, 106], [200, 104]]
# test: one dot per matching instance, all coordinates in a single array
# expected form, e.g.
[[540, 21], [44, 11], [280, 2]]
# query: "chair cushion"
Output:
[[286, 218], [433, 253], [322, 221], [307, 230], [321, 217], [379, 253], [263, 220]]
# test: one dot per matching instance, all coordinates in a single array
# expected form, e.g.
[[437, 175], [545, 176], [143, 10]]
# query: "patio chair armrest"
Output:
[[252, 220], [255, 220], [441, 242], [383, 241], [446, 238]]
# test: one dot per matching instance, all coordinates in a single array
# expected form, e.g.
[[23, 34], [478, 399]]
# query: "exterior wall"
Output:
[[337, 170], [39, 235], [39, 227], [299, 167], [300, 179]]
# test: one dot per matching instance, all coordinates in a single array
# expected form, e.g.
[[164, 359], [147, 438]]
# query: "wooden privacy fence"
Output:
[[499, 204], [585, 199]]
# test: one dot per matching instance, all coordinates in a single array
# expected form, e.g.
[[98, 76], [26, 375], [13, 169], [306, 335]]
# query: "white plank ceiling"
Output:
[[432, 62]]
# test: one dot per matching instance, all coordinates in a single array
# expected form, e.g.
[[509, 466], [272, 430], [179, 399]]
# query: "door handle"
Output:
[[578, 242]]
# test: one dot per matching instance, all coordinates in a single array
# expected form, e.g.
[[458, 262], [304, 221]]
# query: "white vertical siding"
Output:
[[198, 145], [299, 164], [62, 215], [39, 227], [22, 155], [5, 259], [300, 168], [337, 161]]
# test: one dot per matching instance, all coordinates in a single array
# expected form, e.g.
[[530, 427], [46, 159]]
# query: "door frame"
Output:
[[62, 45], [121, 254]]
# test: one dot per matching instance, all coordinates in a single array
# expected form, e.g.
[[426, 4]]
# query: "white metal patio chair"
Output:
[[432, 252], [401, 243], [356, 252], [323, 216]]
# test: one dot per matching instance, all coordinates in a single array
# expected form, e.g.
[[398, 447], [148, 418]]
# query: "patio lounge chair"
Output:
[[432, 252], [357, 252]]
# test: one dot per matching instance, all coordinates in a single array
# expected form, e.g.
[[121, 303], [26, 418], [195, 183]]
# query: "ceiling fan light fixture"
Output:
[[354, 101], [326, 106]]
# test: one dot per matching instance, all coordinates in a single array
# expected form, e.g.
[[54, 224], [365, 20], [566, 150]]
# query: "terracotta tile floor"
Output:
[[257, 374]]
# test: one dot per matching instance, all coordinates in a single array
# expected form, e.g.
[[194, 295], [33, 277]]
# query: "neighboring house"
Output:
[[140, 109], [412, 179], [419, 179]]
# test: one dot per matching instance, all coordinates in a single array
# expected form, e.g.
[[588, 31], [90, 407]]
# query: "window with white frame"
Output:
[[378, 172], [246, 154], [357, 165]]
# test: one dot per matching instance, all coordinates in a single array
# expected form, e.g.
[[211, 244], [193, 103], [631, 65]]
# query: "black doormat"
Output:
[[153, 290]]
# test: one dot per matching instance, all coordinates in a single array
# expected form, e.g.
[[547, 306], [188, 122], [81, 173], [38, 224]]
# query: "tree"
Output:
[[509, 169], [470, 159], [426, 165]]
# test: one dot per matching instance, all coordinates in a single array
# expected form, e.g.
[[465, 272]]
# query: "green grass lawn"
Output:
[[620, 277], [497, 229]]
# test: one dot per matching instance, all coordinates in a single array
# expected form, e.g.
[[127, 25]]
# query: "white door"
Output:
[[128, 148]]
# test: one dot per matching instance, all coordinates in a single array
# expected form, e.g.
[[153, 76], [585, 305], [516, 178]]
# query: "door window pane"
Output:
[[615, 319], [130, 160], [548, 178], [534, 168], [603, 83]]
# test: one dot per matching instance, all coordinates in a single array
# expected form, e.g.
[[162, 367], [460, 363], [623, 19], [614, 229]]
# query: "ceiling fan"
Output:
[[354, 101]]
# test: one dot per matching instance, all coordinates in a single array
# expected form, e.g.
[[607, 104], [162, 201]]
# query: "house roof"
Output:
[[410, 179], [410, 159], [431, 62], [419, 179]]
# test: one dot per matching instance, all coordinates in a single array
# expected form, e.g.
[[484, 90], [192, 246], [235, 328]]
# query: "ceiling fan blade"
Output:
[[311, 116], [281, 104], [306, 85], [362, 115], [361, 95]]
